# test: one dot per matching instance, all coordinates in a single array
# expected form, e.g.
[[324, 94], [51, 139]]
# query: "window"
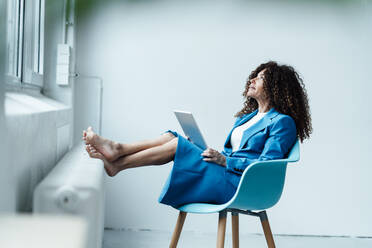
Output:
[[14, 40], [25, 41]]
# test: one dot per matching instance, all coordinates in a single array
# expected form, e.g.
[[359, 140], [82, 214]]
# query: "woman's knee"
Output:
[[169, 136], [168, 151], [172, 144]]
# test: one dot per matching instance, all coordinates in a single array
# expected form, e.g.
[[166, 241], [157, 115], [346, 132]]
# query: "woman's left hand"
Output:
[[211, 155]]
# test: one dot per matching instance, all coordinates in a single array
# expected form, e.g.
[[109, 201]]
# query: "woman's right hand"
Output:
[[211, 155]]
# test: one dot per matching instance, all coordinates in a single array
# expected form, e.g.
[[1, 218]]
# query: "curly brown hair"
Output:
[[286, 93]]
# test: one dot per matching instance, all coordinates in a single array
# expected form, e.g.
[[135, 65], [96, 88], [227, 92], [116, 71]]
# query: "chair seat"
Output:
[[202, 208]]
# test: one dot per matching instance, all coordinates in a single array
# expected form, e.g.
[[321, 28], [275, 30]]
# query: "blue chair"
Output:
[[260, 188]]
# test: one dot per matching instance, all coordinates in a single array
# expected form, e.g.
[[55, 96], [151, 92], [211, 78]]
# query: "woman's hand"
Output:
[[211, 155]]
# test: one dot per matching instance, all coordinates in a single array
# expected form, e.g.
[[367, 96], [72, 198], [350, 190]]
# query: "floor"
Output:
[[159, 239]]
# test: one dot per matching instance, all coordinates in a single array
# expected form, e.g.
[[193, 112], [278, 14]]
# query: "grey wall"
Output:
[[158, 56]]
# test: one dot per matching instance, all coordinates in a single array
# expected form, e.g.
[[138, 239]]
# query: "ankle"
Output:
[[119, 148]]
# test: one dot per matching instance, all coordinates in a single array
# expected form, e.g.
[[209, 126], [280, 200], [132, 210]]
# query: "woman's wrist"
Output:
[[223, 160]]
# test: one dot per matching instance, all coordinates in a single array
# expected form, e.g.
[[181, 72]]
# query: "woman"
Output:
[[275, 113]]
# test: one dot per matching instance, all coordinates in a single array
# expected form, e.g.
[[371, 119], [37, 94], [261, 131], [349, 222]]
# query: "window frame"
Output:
[[15, 14], [33, 45], [28, 32]]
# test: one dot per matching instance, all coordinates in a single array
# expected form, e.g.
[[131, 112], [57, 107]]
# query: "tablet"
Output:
[[190, 128]]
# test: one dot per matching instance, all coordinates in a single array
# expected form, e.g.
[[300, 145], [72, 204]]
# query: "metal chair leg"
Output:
[[177, 230], [266, 229], [235, 229], [221, 229]]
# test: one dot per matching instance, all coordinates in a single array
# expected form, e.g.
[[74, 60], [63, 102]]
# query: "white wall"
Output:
[[58, 33], [38, 135], [54, 35], [158, 56]]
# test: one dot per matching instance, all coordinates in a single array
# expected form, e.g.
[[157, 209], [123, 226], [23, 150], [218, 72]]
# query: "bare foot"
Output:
[[109, 149], [111, 169], [93, 153]]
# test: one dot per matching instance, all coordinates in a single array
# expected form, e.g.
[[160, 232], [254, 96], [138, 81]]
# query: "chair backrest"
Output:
[[262, 182], [294, 154]]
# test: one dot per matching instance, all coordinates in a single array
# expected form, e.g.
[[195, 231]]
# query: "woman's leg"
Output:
[[156, 155], [113, 150]]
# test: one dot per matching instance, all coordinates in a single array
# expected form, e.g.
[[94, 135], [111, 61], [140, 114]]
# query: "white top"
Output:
[[237, 134]]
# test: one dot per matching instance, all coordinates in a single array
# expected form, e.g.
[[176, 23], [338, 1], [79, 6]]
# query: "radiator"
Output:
[[75, 187]]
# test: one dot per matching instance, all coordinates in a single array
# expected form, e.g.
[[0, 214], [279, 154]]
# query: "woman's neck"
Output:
[[263, 106]]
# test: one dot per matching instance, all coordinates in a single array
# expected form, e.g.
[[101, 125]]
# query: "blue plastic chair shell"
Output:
[[260, 187]]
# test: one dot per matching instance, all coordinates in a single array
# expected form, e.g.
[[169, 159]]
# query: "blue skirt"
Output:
[[193, 180]]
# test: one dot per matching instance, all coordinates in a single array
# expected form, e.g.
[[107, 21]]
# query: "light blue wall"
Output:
[[158, 56]]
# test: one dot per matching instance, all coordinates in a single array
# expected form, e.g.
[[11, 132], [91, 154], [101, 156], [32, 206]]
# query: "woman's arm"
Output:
[[281, 138]]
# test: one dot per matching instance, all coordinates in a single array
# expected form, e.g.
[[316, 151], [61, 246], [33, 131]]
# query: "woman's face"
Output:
[[256, 87]]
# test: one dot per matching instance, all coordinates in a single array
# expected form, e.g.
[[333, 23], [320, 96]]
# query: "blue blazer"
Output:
[[269, 138]]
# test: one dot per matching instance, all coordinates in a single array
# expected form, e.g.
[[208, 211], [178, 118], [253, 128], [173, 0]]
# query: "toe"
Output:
[[95, 155], [89, 147], [89, 152]]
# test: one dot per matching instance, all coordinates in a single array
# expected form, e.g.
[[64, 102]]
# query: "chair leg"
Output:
[[177, 230], [266, 229], [235, 229], [221, 229]]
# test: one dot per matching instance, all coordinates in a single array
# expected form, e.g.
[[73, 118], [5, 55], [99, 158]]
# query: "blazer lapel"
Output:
[[245, 119], [261, 124], [242, 121]]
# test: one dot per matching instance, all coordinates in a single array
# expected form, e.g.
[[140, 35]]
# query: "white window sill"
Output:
[[18, 103]]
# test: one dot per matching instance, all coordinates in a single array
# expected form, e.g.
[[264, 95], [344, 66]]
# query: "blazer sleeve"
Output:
[[281, 138]]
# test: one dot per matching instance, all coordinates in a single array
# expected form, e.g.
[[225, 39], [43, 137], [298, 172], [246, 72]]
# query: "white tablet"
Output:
[[190, 128]]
